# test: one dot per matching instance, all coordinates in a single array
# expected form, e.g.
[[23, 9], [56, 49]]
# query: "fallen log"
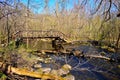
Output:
[[8, 69], [46, 51], [79, 54], [97, 56], [52, 51]]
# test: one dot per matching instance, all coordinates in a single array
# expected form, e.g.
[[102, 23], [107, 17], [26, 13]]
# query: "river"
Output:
[[87, 68]]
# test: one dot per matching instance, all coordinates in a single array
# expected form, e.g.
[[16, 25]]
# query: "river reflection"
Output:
[[84, 68], [88, 68]]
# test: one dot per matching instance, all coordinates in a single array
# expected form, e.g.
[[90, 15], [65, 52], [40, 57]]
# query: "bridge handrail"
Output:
[[52, 31]]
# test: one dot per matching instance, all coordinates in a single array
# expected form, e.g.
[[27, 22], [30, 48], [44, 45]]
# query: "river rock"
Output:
[[102, 53], [77, 53], [70, 77], [46, 70], [37, 66], [65, 69], [54, 72]]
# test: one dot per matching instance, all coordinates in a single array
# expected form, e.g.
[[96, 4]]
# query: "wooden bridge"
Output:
[[57, 37], [33, 34]]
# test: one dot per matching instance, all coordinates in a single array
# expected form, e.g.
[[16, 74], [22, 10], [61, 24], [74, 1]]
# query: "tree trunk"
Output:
[[117, 42], [8, 31], [7, 69]]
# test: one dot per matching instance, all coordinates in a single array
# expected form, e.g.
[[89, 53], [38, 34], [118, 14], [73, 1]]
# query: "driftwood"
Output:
[[78, 54], [8, 69], [46, 51], [97, 56], [52, 51]]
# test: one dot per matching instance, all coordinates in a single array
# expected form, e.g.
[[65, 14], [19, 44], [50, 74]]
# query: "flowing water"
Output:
[[87, 68]]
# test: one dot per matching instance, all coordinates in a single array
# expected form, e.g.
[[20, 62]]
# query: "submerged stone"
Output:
[[65, 69], [37, 66], [70, 77], [46, 70]]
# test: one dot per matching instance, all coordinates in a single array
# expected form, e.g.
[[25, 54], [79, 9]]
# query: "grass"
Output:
[[2, 76]]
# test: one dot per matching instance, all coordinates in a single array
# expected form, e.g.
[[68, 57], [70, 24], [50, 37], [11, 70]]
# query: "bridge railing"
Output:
[[40, 33]]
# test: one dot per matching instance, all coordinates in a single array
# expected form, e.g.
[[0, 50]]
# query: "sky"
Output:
[[38, 5]]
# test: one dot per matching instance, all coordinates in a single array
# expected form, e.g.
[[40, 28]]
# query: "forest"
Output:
[[59, 39]]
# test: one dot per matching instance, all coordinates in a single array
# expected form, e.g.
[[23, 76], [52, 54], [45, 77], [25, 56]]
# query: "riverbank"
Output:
[[93, 67]]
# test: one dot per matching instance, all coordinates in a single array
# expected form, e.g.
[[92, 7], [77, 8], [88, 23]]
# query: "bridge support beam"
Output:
[[57, 43]]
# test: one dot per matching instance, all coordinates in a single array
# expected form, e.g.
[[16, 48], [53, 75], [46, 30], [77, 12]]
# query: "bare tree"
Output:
[[106, 7]]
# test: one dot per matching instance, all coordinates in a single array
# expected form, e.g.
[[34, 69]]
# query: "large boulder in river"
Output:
[[65, 69]]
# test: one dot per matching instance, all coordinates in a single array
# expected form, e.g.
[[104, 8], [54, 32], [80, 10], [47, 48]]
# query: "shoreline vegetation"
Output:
[[36, 33], [11, 56]]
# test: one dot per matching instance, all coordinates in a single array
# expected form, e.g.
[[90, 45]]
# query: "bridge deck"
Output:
[[37, 37], [34, 34]]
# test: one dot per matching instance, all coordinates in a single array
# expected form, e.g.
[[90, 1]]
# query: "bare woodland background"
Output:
[[82, 21]]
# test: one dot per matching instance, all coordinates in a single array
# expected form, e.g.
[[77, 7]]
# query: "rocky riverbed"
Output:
[[81, 67]]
